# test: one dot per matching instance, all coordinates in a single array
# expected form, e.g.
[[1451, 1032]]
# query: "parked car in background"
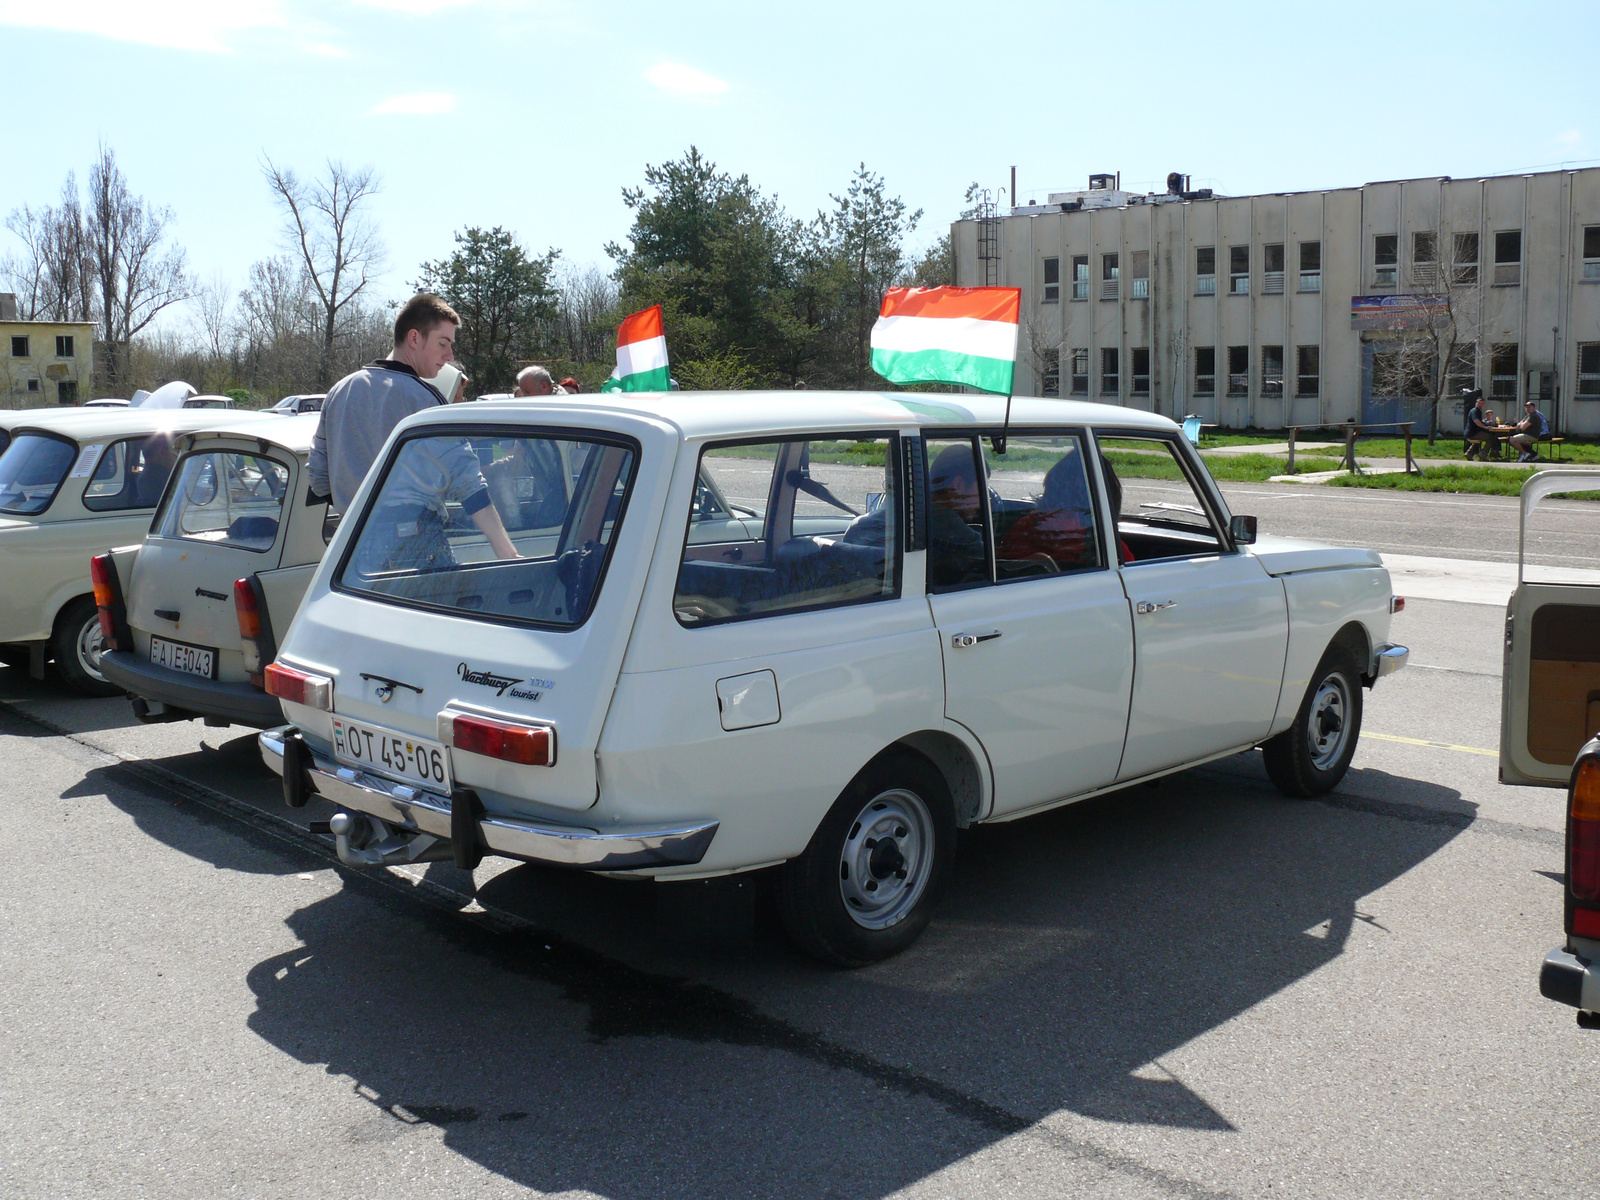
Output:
[[822, 633], [106, 402], [299, 404], [1549, 716], [72, 483], [193, 609]]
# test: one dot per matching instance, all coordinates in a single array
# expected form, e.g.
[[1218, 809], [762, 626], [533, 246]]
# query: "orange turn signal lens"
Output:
[[246, 609], [105, 592], [528, 745], [1583, 831]]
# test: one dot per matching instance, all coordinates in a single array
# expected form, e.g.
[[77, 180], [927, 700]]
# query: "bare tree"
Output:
[[585, 324], [135, 277], [326, 221], [1435, 327], [52, 277]]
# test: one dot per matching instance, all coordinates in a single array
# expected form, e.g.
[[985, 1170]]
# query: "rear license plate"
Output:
[[180, 656], [415, 760]]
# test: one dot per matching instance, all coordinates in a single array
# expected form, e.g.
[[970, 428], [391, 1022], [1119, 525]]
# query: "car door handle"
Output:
[[1150, 606], [961, 640]]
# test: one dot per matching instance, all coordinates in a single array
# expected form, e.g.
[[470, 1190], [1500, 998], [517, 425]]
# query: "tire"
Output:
[[1312, 755], [865, 887], [76, 646]]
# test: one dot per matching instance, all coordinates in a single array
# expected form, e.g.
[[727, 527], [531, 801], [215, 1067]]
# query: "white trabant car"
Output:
[[194, 607], [891, 632], [72, 482]]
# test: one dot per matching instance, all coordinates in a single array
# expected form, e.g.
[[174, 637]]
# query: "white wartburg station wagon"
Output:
[[821, 631]]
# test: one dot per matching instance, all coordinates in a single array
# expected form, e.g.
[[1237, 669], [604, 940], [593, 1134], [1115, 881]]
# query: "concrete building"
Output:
[[43, 363], [1302, 308]]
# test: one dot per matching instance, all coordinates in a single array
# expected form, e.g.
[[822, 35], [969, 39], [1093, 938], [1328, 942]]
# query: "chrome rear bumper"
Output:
[[619, 848], [1388, 660]]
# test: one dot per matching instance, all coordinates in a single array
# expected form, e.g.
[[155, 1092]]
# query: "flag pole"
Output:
[[999, 443]]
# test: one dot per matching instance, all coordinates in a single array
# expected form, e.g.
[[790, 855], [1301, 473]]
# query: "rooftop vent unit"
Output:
[[1104, 183]]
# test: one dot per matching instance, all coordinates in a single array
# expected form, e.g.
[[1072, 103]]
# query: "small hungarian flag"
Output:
[[641, 354], [948, 335]]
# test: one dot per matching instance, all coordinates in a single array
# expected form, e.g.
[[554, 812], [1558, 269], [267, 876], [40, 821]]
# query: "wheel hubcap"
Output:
[[887, 859], [91, 645], [1329, 727]]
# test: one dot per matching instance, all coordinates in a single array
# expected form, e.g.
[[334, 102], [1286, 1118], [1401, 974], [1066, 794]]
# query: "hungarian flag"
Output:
[[948, 335], [641, 354]]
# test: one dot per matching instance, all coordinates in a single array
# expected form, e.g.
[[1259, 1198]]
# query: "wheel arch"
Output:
[[964, 768], [1354, 638]]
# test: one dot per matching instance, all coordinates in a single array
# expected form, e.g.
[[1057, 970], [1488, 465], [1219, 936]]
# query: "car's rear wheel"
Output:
[[865, 887], [76, 647], [1312, 755]]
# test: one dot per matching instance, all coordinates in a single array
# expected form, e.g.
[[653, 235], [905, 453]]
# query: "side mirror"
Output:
[[1242, 530]]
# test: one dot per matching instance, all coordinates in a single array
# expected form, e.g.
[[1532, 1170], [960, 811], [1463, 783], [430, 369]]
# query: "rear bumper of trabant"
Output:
[[617, 848], [239, 703], [1569, 978]]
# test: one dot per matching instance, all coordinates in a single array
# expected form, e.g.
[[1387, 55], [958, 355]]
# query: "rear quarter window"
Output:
[[131, 473]]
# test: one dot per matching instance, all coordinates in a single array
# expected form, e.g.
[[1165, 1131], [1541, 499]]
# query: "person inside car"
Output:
[[955, 537]]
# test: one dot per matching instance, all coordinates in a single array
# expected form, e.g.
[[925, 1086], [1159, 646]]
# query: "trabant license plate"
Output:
[[180, 656], [415, 760]]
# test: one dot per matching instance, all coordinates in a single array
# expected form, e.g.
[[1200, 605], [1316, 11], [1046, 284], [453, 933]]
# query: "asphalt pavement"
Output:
[[1196, 988]]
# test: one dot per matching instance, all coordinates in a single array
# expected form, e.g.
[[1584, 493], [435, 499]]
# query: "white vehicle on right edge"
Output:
[[809, 631]]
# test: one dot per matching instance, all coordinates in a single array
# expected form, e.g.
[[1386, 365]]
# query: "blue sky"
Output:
[[535, 114]]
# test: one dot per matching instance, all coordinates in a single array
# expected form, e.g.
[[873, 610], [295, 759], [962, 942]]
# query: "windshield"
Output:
[[502, 526], [227, 498], [31, 469]]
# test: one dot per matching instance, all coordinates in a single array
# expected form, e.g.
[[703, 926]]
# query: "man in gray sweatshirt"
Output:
[[363, 408]]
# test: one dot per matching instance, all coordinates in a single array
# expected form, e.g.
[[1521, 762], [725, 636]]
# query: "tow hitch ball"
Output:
[[364, 841]]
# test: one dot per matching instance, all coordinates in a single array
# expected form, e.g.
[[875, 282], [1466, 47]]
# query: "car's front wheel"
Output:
[[865, 887], [1312, 755], [76, 647]]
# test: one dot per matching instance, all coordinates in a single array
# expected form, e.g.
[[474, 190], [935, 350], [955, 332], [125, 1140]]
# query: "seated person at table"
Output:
[[1530, 430], [1482, 440], [1059, 533]]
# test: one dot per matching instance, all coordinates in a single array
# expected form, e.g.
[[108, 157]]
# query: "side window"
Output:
[[131, 473], [784, 527], [1160, 514], [958, 535], [1042, 526]]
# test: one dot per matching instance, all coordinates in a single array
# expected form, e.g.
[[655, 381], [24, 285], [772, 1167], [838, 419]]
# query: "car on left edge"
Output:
[[71, 483]]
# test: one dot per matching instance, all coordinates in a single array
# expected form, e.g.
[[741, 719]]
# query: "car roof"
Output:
[[118, 422], [736, 414], [293, 433]]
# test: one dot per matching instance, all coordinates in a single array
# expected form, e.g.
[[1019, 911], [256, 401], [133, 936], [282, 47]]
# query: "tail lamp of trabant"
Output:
[[1583, 850], [299, 687], [249, 606], [108, 599], [526, 745]]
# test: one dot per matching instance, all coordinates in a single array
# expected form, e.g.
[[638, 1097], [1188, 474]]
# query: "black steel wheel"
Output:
[[1312, 755], [76, 647]]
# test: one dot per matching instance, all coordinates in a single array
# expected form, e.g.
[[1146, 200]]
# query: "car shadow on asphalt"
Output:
[[53, 701], [664, 1040]]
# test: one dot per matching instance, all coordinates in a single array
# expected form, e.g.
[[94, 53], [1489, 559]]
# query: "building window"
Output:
[[1110, 382], [1238, 370], [1205, 271], [1050, 373], [19, 347], [1589, 370], [64, 346], [1310, 266], [1052, 280], [1508, 257], [1272, 370], [67, 392], [1139, 289], [1385, 259], [1272, 269], [1503, 371], [1591, 252], [1308, 370], [33, 385], [1425, 258], [1461, 373], [1465, 262], [1205, 370], [1080, 372], [1080, 276], [1141, 370], [1238, 270], [1108, 276]]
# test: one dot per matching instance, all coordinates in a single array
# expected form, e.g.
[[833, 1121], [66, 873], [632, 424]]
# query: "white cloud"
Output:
[[679, 80], [1571, 139], [202, 25], [417, 104], [420, 8]]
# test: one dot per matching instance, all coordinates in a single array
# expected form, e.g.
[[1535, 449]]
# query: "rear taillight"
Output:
[[103, 577], [1583, 839], [1397, 604], [299, 687], [246, 609], [528, 745]]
